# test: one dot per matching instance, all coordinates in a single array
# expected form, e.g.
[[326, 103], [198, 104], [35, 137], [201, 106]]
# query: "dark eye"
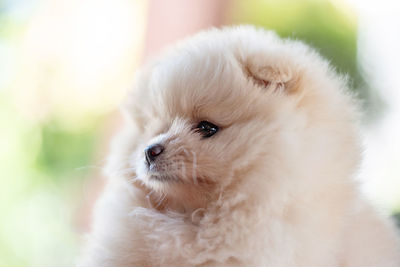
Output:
[[206, 129]]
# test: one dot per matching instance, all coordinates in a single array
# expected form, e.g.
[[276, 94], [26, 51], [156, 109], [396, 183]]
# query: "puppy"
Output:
[[240, 150]]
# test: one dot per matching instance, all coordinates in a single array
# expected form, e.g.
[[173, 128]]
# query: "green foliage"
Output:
[[396, 216], [41, 175], [64, 150]]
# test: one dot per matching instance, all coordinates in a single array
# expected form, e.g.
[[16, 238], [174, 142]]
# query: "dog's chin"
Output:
[[173, 190], [162, 177], [155, 177]]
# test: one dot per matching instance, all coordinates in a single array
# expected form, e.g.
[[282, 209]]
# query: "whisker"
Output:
[[124, 171], [148, 197], [194, 165], [194, 168], [82, 168], [135, 179], [183, 168], [161, 200]]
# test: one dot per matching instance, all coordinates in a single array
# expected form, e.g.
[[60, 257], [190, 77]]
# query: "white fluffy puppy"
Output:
[[240, 150]]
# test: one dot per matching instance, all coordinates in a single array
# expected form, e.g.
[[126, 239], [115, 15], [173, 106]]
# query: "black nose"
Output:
[[152, 152]]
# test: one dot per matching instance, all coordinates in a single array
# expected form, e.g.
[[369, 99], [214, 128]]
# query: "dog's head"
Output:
[[235, 103]]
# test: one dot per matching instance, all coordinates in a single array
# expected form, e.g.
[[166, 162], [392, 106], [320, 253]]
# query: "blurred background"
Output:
[[65, 65]]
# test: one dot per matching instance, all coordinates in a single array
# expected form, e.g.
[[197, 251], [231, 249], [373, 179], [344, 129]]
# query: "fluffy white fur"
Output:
[[273, 187]]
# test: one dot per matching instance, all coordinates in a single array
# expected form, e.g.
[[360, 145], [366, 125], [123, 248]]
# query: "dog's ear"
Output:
[[272, 74]]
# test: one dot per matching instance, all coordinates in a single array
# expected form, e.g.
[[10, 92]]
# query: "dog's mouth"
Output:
[[163, 178], [156, 169], [157, 172], [151, 167]]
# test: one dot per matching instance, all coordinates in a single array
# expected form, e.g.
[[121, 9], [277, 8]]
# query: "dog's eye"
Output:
[[206, 129]]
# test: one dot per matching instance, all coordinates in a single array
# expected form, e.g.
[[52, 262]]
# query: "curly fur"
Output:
[[273, 187]]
